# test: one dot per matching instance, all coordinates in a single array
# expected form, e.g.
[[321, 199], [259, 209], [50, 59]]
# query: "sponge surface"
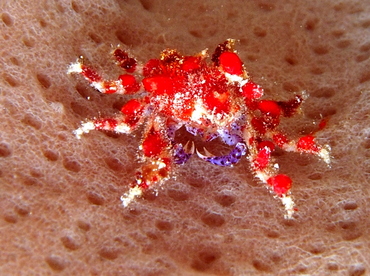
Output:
[[59, 197]]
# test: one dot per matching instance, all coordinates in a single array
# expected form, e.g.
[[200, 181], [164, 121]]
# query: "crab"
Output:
[[210, 100]]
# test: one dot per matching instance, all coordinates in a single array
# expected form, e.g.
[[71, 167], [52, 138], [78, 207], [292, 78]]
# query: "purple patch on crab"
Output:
[[230, 138], [227, 160], [180, 156]]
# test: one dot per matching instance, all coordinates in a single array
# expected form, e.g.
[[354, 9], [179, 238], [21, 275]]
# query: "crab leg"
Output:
[[156, 149], [305, 144], [130, 118], [125, 84], [109, 124], [266, 170]]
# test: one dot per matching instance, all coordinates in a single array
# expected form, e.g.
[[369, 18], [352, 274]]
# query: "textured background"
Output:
[[59, 196]]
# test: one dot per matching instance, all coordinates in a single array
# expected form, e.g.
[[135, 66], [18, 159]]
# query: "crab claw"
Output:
[[226, 160], [183, 153], [206, 155]]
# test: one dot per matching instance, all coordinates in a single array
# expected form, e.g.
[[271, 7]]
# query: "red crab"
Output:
[[209, 100]]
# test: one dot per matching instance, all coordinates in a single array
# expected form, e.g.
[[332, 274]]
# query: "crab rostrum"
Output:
[[216, 99]]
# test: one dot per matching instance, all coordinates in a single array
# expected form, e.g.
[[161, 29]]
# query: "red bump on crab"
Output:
[[231, 63], [153, 145], [269, 108], [307, 144], [280, 183], [132, 109], [191, 64], [252, 91], [129, 83], [262, 159], [158, 85]]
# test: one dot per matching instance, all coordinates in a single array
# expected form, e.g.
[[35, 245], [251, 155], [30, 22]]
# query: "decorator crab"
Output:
[[216, 99]]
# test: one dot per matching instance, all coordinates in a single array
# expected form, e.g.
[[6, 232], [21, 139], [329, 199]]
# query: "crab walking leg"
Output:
[[305, 144], [266, 170], [130, 118], [109, 124], [125, 84], [157, 167], [154, 171]]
